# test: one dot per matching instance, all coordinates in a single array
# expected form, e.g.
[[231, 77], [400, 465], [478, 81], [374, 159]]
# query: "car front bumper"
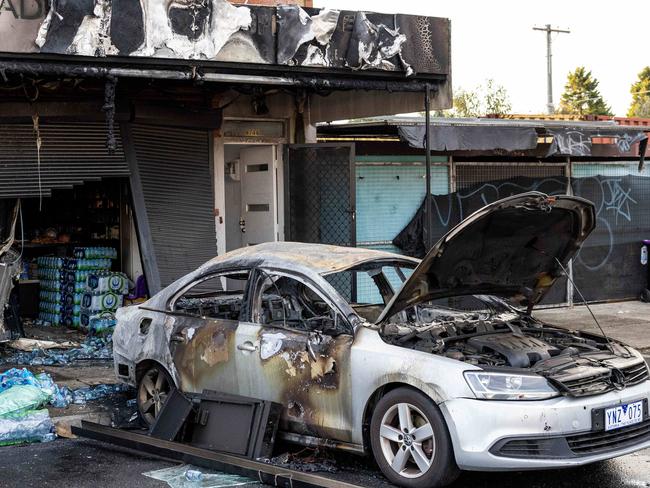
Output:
[[546, 433]]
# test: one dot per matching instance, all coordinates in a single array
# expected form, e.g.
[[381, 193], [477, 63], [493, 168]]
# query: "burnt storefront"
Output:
[[174, 131]]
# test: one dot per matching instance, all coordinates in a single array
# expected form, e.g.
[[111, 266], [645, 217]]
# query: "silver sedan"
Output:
[[431, 366]]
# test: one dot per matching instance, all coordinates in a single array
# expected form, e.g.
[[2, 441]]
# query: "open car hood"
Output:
[[508, 248]]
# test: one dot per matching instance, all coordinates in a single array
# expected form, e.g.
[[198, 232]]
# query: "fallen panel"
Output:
[[265, 473], [237, 425], [172, 416]]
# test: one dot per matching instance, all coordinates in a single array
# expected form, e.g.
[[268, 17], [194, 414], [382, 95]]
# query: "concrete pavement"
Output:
[[628, 322]]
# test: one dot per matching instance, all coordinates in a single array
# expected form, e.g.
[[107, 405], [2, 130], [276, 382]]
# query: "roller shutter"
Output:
[[71, 153], [173, 169]]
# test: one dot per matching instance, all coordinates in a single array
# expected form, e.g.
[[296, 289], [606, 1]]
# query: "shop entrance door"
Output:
[[259, 189]]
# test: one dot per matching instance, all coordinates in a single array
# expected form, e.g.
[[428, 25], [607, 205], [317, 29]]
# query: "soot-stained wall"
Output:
[[287, 35]]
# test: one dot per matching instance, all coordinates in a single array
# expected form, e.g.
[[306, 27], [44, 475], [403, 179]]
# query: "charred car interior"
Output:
[[217, 297]]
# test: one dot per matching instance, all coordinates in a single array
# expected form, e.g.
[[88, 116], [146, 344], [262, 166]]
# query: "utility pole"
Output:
[[549, 63]]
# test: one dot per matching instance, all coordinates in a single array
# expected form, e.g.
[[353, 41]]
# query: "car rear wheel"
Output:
[[410, 441], [154, 387]]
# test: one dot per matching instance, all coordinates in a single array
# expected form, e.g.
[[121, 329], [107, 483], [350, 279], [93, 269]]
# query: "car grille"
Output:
[[523, 448], [601, 383], [596, 442]]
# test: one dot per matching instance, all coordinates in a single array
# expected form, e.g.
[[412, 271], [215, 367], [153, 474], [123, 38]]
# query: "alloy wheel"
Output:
[[407, 440], [152, 393]]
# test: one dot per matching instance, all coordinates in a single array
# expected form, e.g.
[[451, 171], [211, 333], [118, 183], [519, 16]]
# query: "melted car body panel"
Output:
[[204, 354]]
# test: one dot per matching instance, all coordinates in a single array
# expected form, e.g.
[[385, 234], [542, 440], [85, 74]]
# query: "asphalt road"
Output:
[[88, 464]]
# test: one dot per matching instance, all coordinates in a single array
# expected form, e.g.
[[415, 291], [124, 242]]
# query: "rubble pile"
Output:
[[93, 347], [23, 400]]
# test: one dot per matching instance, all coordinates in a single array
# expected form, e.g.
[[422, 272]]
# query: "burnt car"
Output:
[[433, 366]]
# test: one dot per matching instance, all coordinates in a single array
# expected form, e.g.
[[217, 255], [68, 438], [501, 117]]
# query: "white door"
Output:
[[258, 192]]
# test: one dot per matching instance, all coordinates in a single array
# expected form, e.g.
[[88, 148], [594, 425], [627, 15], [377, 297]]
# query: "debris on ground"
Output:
[[93, 347], [63, 429], [306, 460], [127, 416], [22, 416], [82, 395], [24, 395], [188, 476], [29, 345]]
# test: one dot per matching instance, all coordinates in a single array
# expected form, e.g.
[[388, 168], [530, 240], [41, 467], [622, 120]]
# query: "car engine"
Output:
[[507, 339]]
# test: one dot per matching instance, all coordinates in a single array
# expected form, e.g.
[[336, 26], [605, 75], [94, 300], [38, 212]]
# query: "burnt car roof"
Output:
[[320, 258]]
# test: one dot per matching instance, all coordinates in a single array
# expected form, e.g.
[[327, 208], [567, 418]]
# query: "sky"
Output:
[[494, 39]]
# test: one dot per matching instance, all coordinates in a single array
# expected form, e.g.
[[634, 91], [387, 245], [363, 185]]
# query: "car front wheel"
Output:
[[154, 387], [410, 441]]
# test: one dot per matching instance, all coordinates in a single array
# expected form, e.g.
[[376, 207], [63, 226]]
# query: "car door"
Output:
[[290, 361], [204, 318]]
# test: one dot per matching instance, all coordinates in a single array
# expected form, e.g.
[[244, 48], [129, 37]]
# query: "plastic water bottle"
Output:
[[193, 475]]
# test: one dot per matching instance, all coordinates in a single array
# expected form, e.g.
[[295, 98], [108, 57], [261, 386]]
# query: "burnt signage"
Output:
[[218, 30], [19, 24], [22, 9]]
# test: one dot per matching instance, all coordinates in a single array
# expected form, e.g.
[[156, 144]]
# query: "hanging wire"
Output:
[[37, 133]]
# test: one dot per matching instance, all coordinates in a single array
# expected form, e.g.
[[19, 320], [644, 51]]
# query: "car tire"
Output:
[[410, 441], [154, 386]]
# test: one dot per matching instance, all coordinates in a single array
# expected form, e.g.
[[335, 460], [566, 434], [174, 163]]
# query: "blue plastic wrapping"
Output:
[[29, 426], [21, 398]]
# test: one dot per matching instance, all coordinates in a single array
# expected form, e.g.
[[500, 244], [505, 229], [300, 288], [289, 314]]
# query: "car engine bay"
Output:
[[579, 363]]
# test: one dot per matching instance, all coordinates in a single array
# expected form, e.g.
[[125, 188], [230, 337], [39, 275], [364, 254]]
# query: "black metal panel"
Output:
[[173, 166], [127, 25], [64, 26], [236, 424], [70, 154], [172, 417]]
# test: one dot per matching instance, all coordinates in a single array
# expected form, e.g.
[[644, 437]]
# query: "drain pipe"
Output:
[[428, 241]]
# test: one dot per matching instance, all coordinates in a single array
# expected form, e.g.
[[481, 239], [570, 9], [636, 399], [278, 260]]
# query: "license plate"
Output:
[[623, 415]]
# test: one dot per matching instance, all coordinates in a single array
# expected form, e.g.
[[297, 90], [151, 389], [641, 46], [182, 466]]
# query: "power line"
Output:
[[549, 63]]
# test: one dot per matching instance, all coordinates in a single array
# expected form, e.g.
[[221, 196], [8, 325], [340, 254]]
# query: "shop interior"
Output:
[[80, 257]]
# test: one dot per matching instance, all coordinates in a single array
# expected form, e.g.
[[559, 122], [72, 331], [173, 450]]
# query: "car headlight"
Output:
[[503, 386]]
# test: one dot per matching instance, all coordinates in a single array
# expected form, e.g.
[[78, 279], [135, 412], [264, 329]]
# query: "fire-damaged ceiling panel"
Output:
[[222, 31]]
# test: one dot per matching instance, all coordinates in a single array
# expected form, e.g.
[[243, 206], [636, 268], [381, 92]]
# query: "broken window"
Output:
[[376, 283], [283, 301], [217, 296]]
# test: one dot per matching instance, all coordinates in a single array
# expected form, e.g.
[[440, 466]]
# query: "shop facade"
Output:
[[175, 149]]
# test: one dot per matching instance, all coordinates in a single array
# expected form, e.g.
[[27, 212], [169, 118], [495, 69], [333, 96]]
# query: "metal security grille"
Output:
[[320, 204], [320, 199], [608, 267], [173, 167], [70, 154], [471, 174]]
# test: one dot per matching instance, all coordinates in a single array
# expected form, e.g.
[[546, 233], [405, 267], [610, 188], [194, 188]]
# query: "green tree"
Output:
[[466, 104], [640, 90], [482, 100], [497, 100], [581, 95]]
